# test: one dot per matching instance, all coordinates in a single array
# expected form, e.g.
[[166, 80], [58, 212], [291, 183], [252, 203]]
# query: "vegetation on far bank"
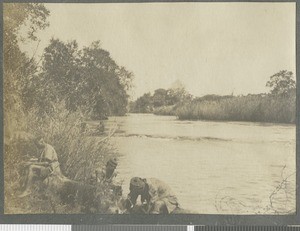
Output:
[[162, 101], [278, 106], [254, 108], [52, 96]]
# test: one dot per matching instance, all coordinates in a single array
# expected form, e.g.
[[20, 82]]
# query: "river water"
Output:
[[212, 167]]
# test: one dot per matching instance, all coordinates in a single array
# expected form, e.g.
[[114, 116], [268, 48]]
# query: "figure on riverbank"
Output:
[[42, 168], [100, 128], [156, 196], [107, 175]]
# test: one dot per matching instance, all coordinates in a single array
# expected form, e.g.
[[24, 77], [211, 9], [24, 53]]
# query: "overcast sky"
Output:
[[212, 48]]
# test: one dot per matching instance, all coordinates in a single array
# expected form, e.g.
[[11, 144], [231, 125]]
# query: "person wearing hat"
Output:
[[156, 196], [45, 166], [106, 178], [109, 173], [111, 166]]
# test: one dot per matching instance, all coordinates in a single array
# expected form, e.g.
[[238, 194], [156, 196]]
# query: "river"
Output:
[[212, 167]]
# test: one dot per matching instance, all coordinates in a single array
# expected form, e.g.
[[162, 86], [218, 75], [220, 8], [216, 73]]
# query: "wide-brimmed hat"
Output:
[[137, 183], [112, 162]]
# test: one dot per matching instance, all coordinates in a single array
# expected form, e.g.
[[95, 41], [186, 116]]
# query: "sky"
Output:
[[212, 48]]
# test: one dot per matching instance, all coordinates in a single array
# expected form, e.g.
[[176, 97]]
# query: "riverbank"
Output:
[[80, 152], [252, 108]]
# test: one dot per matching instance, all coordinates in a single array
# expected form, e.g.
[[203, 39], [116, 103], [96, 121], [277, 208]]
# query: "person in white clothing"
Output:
[[46, 165]]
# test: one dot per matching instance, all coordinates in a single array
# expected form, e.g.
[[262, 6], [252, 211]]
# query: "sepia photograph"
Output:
[[149, 108]]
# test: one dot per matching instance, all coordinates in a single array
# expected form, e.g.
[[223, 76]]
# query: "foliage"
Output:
[[159, 97], [50, 102], [88, 80], [15, 17], [279, 106], [282, 83], [79, 155], [33, 15], [160, 100], [18, 68], [256, 108], [143, 104]]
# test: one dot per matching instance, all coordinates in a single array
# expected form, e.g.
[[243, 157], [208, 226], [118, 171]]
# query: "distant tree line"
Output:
[[278, 106], [162, 98]]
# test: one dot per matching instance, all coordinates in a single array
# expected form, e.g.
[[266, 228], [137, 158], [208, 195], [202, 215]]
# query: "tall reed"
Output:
[[255, 108], [79, 154]]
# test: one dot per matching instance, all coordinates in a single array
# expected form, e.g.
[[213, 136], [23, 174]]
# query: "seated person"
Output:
[[100, 128], [46, 165], [156, 196]]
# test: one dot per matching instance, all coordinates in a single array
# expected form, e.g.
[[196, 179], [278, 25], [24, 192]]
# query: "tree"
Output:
[[178, 95], [18, 67], [88, 80], [57, 80], [106, 81], [125, 78], [31, 16], [144, 104], [282, 83], [160, 97]]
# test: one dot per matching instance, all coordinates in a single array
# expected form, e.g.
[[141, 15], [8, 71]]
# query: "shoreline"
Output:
[[212, 120]]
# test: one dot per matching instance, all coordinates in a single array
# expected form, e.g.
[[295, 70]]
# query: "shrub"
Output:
[[79, 155]]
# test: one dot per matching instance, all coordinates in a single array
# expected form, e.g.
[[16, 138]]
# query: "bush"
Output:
[[79, 155]]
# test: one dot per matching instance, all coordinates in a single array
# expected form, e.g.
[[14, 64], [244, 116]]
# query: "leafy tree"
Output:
[[125, 78], [144, 104], [16, 16], [160, 97], [18, 68], [281, 83], [178, 95], [106, 80], [57, 79], [88, 80]]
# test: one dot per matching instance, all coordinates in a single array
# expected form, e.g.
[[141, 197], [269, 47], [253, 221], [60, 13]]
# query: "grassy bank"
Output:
[[254, 108], [79, 155]]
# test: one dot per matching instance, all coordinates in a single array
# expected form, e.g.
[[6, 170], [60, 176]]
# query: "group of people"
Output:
[[156, 197]]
